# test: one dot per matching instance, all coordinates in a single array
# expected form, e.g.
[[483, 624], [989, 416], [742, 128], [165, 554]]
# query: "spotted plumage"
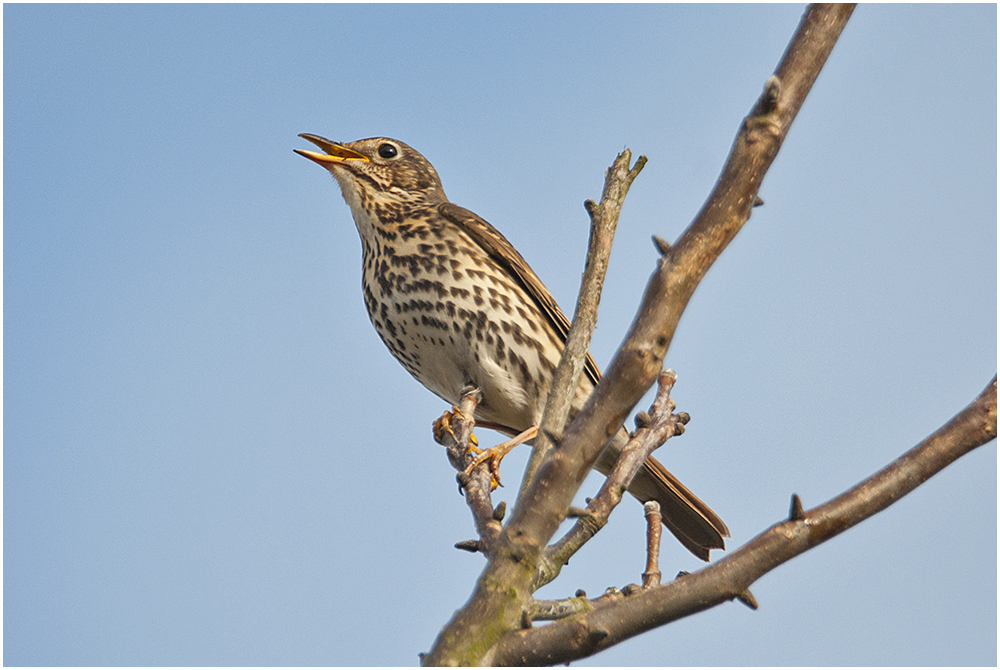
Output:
[[456, 305]]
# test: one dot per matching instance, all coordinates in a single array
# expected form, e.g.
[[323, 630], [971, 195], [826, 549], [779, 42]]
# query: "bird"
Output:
[[459, 307]]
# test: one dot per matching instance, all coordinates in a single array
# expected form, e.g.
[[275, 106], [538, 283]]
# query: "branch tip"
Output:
[[634, 171]]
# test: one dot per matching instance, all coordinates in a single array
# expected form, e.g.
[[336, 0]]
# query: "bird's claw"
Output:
[[442, 428], [495, 454]]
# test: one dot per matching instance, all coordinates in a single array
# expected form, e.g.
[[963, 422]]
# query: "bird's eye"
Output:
[[388, 151]]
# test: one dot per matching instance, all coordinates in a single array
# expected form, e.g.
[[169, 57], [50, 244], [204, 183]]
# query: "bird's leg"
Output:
[[495, 454]]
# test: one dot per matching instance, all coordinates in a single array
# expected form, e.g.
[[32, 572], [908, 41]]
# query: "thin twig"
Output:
[[651, 577], [603, 223], [654, 429]]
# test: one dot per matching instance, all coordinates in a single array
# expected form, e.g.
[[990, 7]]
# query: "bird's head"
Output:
[[378, 175]]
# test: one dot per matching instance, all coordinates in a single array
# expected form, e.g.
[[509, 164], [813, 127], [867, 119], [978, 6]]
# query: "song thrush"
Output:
[[457, 305]]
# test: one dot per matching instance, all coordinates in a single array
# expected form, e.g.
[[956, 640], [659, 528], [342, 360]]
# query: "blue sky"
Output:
[[210, 458]]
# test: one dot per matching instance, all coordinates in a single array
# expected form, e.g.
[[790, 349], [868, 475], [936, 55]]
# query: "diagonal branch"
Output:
[[501, 600], [585, 634], [640, 358]]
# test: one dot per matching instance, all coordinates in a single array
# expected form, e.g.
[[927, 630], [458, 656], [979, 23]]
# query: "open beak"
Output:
[[335, 154]]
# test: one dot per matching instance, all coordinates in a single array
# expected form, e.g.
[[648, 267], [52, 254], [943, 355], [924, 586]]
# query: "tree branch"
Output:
[[587, 633], [651, 576], [640, 357], [653, 430], [603, 223], [503, 593], [454, 431]]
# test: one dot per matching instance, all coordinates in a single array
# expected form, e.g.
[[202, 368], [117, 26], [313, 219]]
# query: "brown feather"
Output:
[[694, 524], [502, 251]]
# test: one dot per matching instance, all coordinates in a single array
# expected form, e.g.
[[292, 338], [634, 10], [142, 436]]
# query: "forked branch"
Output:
[[587, 633], [652, 430], [501, 601]]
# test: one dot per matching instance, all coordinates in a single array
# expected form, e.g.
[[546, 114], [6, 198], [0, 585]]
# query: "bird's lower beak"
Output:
[[334, 153]]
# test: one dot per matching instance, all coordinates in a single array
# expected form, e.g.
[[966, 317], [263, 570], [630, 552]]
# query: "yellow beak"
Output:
[[334, 153]]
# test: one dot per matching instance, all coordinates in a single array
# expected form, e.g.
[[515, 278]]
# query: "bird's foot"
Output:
[[442, 428], [495, 454]]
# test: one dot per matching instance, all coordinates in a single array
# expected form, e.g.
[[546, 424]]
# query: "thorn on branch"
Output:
[[500, 511], [747, 599], [662, 245], [471, 546], [796, 513], [590, 206], [757, 201]]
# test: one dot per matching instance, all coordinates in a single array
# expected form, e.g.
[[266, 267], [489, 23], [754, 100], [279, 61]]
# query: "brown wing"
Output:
[[691, 521], [504, 253]]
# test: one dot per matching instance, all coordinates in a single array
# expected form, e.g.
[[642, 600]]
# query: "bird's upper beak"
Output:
[[335, 153]]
